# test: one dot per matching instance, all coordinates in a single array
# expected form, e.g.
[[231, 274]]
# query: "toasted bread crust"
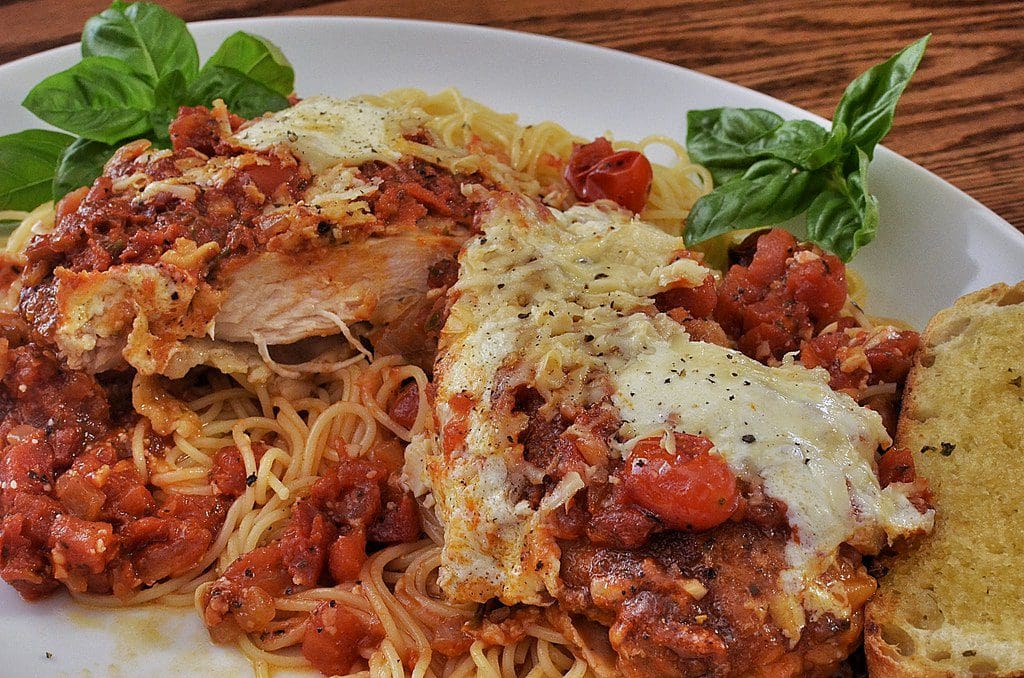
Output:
[[963, 420]]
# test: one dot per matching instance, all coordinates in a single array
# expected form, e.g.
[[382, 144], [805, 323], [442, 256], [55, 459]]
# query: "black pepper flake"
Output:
[[174, 297], [924, 450], [947, 449], [49, 655], [249, 573], [1016, 381], [251, 480], [588, 338], [600, 276], [323, 228], [333, 603], [749, 438], [746, 383], [523, 316]]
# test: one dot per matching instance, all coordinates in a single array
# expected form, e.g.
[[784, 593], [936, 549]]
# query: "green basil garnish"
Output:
[[769, 170], [257, 58], [27, 162]]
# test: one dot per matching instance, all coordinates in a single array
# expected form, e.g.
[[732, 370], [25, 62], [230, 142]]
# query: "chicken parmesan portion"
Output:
[[299, 224], [708, 511]]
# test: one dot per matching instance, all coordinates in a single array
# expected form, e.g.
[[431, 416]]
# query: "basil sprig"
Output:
[[769, 170], [139, 65]]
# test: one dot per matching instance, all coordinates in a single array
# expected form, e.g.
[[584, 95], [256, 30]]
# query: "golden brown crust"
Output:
[[950, 605]]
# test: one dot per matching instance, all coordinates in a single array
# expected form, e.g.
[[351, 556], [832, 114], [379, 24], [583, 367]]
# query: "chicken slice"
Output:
[[242, 233]]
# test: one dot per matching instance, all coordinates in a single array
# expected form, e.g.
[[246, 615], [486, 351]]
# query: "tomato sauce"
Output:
[[74, 509], [324, 543], [781, 298]]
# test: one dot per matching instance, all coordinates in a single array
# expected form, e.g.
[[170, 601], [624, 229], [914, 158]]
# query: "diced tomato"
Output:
[[271, 174], [856, 359], [596, 171], [80, 548], [399, 522], [781, 298], [305, 542], [406, 405], [334, 637], [698, 301], [347, 555], [896, 465], [228, 470], [243, 598], [690, 489]]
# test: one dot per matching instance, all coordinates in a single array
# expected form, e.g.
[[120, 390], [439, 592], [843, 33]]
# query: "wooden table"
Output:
[[962, 118]]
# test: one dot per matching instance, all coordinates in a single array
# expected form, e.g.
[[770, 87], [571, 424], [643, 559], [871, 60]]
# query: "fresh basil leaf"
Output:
[[719, 138], [170, 93], [801, 142], [81, 163], [27, 161], [770, 192], [844, 218], [243, 95], [869, 102], [147, 38], [98, 98], [258, 58]]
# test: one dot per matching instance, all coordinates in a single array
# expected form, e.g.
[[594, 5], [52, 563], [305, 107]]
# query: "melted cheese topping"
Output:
[[563, 300], [325, 131], [781, 427]]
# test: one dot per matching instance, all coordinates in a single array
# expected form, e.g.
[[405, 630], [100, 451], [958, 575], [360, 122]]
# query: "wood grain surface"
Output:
[[962, 118]]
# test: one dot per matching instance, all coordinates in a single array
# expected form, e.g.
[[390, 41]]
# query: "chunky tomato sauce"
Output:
[[105, 225], [324, 543], [74, 509]]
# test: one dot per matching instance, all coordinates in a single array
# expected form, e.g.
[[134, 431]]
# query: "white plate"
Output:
[[935, 243]]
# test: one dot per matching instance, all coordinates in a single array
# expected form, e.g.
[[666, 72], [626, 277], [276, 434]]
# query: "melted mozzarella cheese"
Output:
[[325, 131], [564, 300], [780, 427]]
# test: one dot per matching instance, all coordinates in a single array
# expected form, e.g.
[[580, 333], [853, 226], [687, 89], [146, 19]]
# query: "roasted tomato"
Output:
[[690, 489], [597, 171]]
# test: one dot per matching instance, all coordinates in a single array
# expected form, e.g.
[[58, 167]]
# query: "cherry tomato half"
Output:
[[690, 490], [597, 171]]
